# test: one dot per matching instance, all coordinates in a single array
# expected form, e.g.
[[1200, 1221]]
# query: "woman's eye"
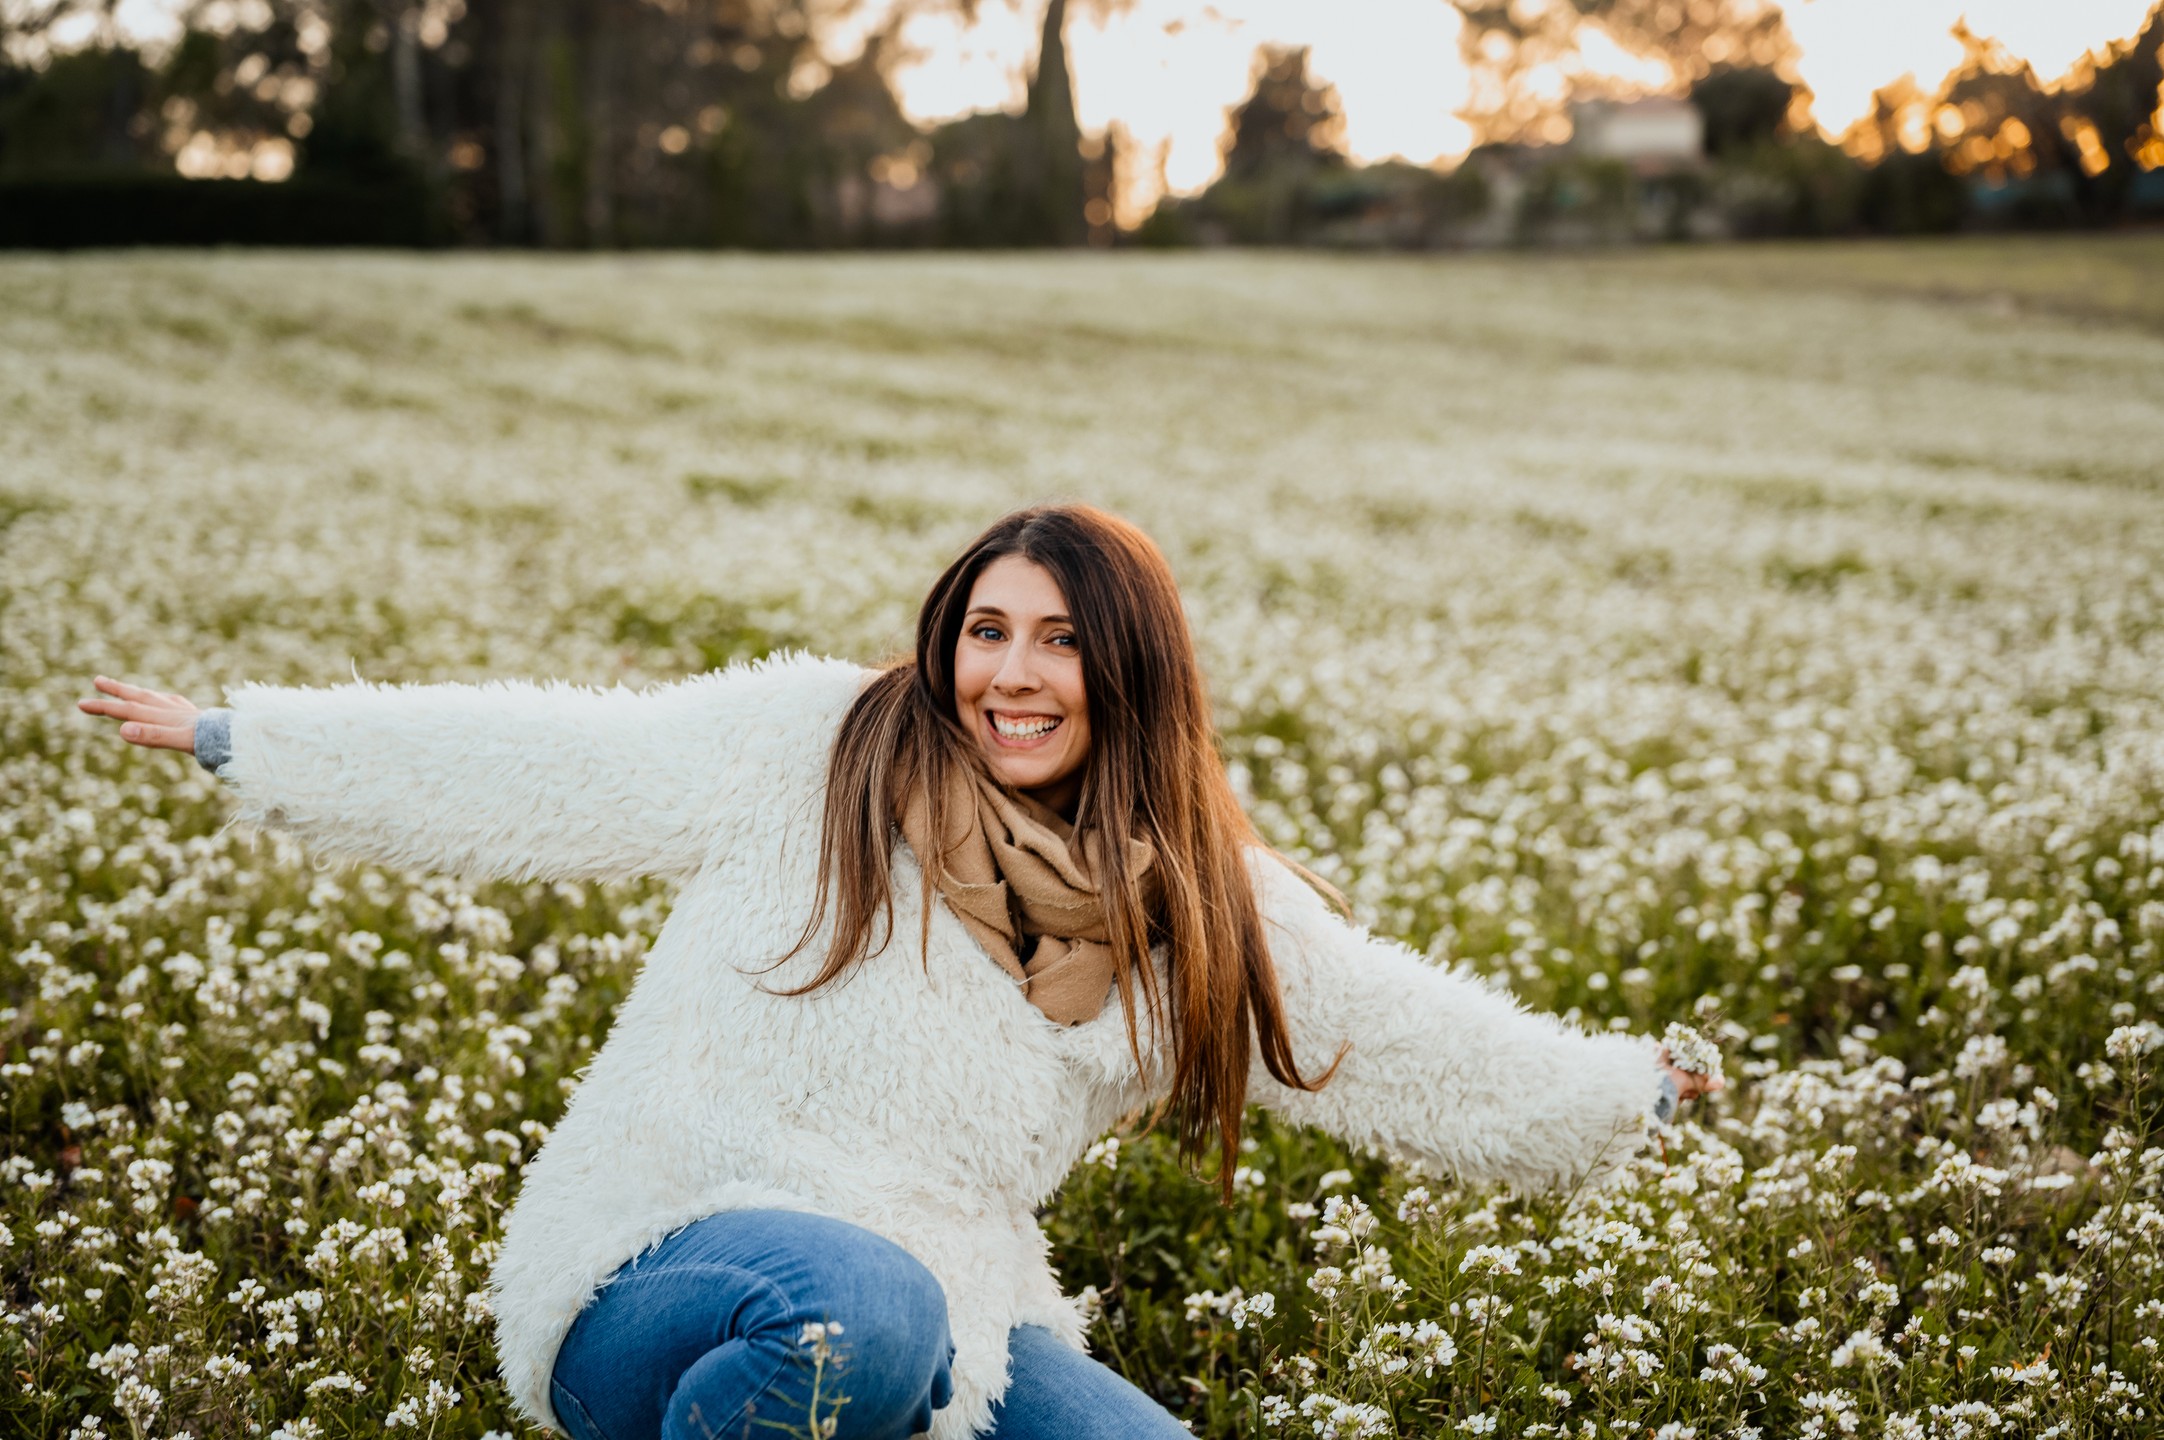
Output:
[[988, 633], [1066, 640]]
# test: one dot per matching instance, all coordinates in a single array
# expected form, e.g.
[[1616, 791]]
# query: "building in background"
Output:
[[1649, 135]]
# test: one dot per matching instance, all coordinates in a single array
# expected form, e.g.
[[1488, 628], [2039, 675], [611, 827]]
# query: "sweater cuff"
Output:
[[213, 738]]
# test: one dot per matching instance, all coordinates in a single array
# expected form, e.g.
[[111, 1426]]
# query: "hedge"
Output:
[[79, 211]]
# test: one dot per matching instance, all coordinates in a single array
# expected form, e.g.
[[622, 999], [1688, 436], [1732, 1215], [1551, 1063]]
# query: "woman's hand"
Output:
[[1689, 1085], [149, 718]]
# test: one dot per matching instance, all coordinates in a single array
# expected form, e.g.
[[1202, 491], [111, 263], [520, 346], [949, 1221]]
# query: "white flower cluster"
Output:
[[2133, 1042], [1691, 1052]]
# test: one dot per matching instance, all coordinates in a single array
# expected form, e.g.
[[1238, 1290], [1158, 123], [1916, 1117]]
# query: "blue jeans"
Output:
[[703, 1337]]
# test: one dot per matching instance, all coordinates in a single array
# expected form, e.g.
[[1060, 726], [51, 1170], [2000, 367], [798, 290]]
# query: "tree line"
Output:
[[604, 123], [562, 123], [1992, 146]]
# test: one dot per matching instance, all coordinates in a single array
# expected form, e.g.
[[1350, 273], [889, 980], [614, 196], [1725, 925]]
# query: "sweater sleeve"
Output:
[[213, 738], [521, 780], [1441, 1066]]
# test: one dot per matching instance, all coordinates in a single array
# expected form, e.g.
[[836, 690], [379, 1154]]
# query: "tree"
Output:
[[1051, 166], [2109, 117], [1287, 120], [1027, 183], [26, 27], [81, 111], [1743, 106], [1279, 141], [1513, 46], [1992, 135], [353, 130]]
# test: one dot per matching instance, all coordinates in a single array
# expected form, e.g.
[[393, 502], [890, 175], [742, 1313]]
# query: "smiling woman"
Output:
[[802, 1192], [1018, 682], [1051, 747]]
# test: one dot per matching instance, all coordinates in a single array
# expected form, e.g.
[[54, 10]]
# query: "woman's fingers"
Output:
[[141, 714], [1704, 1085], [160, 737], [1689, 1084], [122, 696], [124, 709], [125, 695], [151, 718], [141, 695], [124, 690], [162, 731]]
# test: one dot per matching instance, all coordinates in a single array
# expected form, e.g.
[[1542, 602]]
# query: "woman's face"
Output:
[[1018, 682]]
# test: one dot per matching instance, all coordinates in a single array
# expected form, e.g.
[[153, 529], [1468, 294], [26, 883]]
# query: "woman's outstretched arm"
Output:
[[1440, 1066], [509, 779]]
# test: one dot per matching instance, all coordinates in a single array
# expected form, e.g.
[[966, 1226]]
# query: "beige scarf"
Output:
[[1010, 872]]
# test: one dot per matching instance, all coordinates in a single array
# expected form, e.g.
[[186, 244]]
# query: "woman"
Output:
[[796, 1181]]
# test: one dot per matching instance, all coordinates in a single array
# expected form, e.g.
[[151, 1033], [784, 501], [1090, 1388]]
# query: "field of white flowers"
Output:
[[1667, 643]]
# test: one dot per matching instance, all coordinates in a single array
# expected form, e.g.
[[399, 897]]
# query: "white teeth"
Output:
[[1023, 729]]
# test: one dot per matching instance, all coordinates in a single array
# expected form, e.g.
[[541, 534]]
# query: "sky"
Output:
[[1168, 70]]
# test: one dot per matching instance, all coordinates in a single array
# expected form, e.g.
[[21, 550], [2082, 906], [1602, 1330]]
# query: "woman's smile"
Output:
[[1021, 731]]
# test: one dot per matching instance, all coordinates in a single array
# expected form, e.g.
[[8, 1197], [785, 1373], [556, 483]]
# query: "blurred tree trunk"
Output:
[[404, 24], [598, 204], [514, 63], [122, 105], [553, 111]]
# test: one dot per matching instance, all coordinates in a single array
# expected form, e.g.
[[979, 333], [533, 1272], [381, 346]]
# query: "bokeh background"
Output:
[[784, 124]]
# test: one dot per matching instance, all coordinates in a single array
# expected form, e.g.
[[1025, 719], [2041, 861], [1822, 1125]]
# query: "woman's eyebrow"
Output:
[[1001, 614]]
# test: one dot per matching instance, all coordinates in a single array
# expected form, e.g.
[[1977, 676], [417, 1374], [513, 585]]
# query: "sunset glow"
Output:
[[1167, 71]]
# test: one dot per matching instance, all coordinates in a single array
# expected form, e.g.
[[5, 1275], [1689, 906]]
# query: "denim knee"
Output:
[[889, 1356], [705, 1335]]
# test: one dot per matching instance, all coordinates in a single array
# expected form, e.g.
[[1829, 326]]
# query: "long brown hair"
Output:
[[1153, 773]]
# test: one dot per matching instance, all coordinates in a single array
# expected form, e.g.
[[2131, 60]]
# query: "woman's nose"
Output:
[[1016, 673]]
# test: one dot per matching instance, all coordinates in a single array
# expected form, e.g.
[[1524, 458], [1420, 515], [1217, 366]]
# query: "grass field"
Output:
[[1766, 637], [2108, 279]]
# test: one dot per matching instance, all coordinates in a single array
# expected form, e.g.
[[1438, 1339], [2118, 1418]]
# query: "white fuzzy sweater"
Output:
[[924, 1099]]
